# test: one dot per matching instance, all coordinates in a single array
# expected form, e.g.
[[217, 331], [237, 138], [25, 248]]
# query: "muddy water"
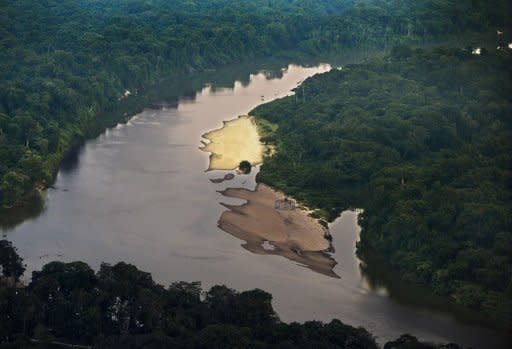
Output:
[[140, 193]]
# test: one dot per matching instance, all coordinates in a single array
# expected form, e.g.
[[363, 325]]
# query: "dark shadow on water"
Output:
[[11, 218], [378, 275], [70, 160]]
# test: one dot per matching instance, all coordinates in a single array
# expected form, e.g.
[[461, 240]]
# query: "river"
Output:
[[140, 193]]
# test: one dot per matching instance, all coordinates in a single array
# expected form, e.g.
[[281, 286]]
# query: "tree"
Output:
[[10, 262], [245, 167]]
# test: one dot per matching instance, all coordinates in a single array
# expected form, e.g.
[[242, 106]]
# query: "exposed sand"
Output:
[[237, 140], [289, 233]]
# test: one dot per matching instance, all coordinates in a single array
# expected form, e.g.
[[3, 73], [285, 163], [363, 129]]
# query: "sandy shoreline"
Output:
[[268, 223], [237, 140], [288, 232]]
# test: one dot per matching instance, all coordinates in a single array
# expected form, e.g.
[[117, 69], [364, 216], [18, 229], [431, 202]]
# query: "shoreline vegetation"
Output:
[[420, 140], [120, 306], [165, 93], [77, 62], [80, 60], [417, 141]]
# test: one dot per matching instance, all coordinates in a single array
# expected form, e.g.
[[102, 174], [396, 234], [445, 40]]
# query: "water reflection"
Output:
[[139, 194], [11, 218], [167, 94], [378, 277], [70, 160]]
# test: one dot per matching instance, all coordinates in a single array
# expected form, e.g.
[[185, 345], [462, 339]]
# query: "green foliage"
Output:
[[421, 141], [266, 130], [122, 307], [11, 264], [245, 166], [63, 62], [407, 341], [383, 23]]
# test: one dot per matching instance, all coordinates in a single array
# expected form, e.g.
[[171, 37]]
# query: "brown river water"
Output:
[[140, 193]]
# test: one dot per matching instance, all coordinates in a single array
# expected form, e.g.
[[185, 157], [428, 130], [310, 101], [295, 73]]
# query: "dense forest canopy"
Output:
[[122, 307], [370, 23], [421, 140], [63, 61]]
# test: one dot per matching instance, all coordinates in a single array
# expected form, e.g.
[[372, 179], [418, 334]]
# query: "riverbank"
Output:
[[139, 193], [164, 93]]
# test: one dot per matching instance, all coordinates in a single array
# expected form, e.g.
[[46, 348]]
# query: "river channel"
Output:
[[140, 193]]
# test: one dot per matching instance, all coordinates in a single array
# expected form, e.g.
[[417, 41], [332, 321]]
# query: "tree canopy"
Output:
[[120, 306], [420, 140], [64, 61]]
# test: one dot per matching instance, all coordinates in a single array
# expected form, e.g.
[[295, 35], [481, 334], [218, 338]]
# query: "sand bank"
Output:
[[266, 229], [237, 140]]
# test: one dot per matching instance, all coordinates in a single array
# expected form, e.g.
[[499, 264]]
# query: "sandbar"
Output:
[[237, 140], [270, 228]]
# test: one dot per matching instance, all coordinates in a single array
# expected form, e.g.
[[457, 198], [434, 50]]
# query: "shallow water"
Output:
[[140, 193]]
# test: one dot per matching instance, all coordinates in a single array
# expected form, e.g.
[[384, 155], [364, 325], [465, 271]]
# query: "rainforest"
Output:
[[373, 208]]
